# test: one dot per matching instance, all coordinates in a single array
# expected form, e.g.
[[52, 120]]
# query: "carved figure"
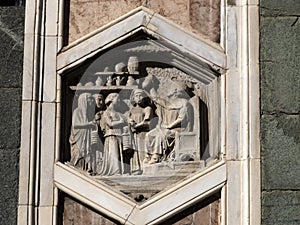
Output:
[[100, 107], [119, 80], [133, 65], [131, 81], [173, 117], [139, 119], [97, 134], [109, 81], [99, 81], [151, 84], [120, 67], [80, 139], [114, 124]]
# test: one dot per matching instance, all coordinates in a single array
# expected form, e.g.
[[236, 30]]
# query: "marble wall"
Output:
[[280, 111], [11, 63], [207, 212], [200, 17]]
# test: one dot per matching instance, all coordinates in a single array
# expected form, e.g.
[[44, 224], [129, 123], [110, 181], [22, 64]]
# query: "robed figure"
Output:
[[175, 115], [140, 116], [80, 138], [117, 138]]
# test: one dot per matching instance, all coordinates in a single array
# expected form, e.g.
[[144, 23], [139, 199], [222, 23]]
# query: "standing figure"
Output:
[[139, 119], [80, 139], [174, 116], [114, 123], [97, 134]]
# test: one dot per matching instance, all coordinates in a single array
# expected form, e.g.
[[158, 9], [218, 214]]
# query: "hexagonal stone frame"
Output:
[[120, 208]]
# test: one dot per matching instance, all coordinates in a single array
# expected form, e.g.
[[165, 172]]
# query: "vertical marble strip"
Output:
[[49, 71], [47, 154]]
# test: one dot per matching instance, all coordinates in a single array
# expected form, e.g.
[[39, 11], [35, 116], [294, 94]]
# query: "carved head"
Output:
[[120, 67], [178, 90], [137, 96], [85, 100], [86, 104], [99, 98], [133, 64], [111, 98]]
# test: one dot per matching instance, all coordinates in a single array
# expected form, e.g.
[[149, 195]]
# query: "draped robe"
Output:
[[80, 138]]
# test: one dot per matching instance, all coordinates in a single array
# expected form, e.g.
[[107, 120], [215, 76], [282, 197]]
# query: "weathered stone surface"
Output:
[[280, 59], [205, 18], [199, 17], [279, 39], [9, 168], [279, 88], [280, 83], [10, 111], [11, 55], [75, 213], [11, 46], [12, 3], [279, 7], [176, 11], [280, 208], [87, 15], [207, 212], [10, 140], [280, 152]]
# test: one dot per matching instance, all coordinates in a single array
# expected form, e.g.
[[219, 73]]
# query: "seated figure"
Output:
[[173, 116]]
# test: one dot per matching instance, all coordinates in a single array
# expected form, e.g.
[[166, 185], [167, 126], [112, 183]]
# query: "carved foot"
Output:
[[146, 160], [154, 159], [137, 172]]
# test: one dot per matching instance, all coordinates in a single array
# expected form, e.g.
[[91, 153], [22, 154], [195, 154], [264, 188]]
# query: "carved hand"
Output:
[[92, 125], [132, 123]]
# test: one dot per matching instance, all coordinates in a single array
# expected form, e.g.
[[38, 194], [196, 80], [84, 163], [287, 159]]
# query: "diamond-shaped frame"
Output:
[[115, 205]]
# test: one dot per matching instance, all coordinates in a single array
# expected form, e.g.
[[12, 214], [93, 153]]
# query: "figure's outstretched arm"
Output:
[[88, 125]]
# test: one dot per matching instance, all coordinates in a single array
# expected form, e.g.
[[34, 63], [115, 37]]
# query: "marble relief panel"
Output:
[[135, 121]]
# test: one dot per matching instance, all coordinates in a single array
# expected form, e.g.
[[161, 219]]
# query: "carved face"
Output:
[[112, 99], [90, 101], [176, 93], [115, 100], [138, 97], [99, 101], [86, 104]]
